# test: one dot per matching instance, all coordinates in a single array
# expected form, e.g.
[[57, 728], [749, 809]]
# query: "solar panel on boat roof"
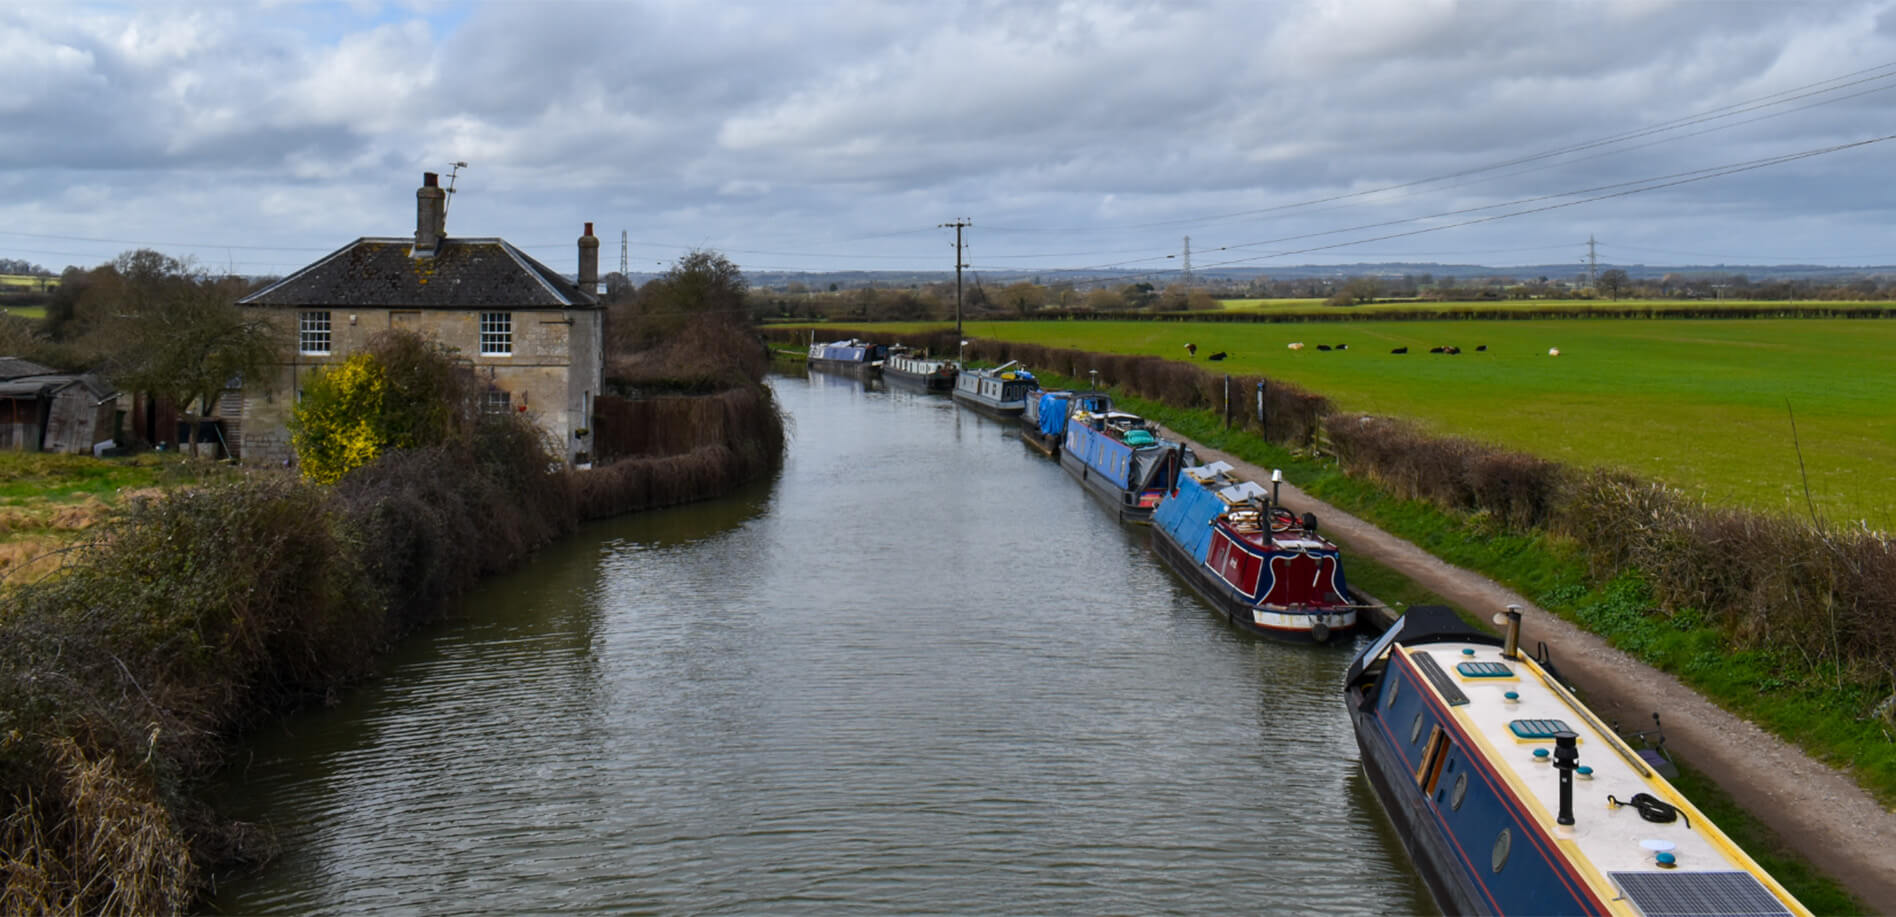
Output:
[[1698, 894], [1238, 493]]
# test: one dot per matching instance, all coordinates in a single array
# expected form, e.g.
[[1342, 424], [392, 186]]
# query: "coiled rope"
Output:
[[1651, 808]]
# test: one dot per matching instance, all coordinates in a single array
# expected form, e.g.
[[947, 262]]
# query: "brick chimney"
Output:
[[589, 262], [431, 214]]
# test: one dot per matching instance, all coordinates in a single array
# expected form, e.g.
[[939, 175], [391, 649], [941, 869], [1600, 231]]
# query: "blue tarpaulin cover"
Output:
[[1185, 517], [1053, 412]]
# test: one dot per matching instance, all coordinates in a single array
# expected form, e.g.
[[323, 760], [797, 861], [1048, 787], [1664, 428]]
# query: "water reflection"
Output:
[[921, 672]]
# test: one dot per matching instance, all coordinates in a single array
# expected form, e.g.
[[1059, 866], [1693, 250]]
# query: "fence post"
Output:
[[1227, 404], [1260, 408]]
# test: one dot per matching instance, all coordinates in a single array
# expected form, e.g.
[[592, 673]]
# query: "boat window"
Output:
[[1430, 771], [1391, 701], [1502, 842], [1415, 731], [1460, 791]]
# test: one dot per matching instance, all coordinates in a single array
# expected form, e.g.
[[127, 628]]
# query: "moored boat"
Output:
[[1266, 568], [1121, 459], [932, 374], [1512, 797], [851, 356], [1044, 420], [1001, 390]]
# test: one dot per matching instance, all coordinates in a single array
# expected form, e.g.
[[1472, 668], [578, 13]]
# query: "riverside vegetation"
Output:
[[192, 614], [1787, 620]]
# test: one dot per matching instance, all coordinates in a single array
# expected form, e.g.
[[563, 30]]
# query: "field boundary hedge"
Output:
[[1821, 591]]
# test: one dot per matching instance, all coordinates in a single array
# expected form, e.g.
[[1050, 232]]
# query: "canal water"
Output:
[[922, 671]]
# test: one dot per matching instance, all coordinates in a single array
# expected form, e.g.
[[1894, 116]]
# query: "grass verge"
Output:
[[1803, 703]]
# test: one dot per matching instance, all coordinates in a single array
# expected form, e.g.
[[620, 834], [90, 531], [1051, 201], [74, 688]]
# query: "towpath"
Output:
[[1818, 810]]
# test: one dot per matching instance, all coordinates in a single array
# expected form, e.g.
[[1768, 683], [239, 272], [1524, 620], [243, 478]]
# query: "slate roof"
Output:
[[14, 368], [462, 274]]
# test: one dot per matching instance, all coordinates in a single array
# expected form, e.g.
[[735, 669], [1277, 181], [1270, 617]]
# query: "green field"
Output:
[[1700, 404], [1319, 307]]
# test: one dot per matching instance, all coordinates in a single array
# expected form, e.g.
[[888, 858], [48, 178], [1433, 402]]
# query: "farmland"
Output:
[[1318, 307], [1703, 405]]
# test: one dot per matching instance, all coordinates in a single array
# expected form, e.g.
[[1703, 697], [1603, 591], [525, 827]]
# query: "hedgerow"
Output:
[[1823, 592]]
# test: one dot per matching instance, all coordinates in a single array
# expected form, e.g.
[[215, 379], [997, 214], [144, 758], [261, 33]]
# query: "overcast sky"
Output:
[[257, 137]]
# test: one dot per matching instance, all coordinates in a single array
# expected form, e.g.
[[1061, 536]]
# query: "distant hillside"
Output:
[[849, 280]]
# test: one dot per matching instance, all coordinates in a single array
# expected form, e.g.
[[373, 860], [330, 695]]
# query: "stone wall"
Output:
[[555, 370]]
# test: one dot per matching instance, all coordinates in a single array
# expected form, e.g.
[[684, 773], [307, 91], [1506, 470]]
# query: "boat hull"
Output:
[[1428, 849], [1288, 626], [1122, 501], [930, 382], [846, 367], [1002, 409]]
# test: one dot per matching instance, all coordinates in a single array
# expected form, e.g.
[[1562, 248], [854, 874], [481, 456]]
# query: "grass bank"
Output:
[[1705, 406], [49, 502], [1781, 694]]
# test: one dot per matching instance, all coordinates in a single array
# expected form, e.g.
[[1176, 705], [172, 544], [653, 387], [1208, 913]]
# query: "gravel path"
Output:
[[1820, 811]]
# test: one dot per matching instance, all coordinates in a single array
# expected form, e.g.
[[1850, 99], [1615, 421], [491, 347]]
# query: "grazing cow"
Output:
[[1191, 349], [1553, 351], [1323, 347], [1480, 347], [1342, 346], [1451, 349], [1437, 349], [1294, 345], [1400, 350], [1217, 356]]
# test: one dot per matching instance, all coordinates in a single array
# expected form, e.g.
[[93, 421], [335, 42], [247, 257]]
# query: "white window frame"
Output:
[[497, 401], [313, 333], [496, 334]]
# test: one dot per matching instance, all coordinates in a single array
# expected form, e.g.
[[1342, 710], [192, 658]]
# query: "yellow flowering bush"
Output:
[[403, 392]]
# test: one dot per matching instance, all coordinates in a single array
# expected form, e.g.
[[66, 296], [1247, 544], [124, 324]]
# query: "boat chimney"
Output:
[[1277, 481], [1512, 620], [1566, 759]]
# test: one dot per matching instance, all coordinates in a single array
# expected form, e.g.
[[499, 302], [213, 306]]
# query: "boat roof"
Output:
[[1612, 847]]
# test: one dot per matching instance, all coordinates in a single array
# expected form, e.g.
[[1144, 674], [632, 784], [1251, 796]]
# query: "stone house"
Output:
[[535, 339]]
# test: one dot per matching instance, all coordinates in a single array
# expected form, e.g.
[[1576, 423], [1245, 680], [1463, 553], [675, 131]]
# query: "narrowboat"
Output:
[[1002, 390], [904, 366], [852, 356], [1044, 421], [1263, 566], [1121, 459], [1513, 798]]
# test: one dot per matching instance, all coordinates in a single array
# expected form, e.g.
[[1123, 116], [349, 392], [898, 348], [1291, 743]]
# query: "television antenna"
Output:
[[452, 174]]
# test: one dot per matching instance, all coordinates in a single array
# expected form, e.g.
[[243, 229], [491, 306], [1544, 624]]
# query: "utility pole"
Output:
[[625, 266], [959, 225], [1593, 261], [1188, 261]]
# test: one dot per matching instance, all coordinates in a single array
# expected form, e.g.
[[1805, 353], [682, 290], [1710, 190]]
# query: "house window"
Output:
[[497, 334], [497, 401], [312, 333]]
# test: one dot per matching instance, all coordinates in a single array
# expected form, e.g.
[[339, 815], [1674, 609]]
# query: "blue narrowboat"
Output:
[[852, 356], [1120, 458], [1266, 568], [1002, 390], [1044, 421], [1511, 796]]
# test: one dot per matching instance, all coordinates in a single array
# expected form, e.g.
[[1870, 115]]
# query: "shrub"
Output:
[[403, 391]]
